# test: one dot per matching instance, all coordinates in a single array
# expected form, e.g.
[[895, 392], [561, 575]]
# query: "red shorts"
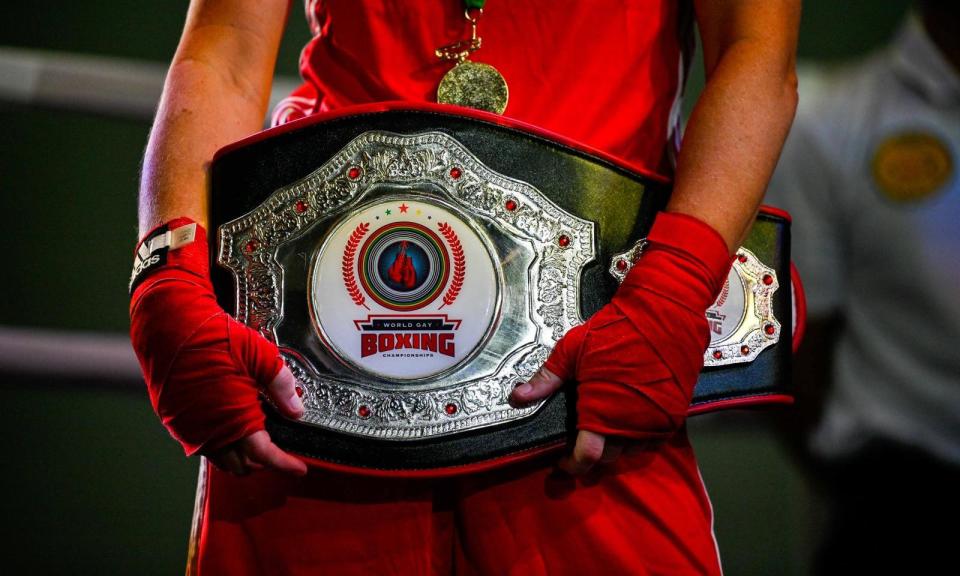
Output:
[[647, 513]]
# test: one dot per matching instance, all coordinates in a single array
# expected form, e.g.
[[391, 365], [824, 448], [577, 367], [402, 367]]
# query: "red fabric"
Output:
[[645, 514], [203, 368], [637, 360], [606, 73], [299, 104], [571, 67]]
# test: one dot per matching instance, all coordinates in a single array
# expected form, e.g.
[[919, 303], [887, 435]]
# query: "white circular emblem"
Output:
[[404, 289], [727, 313]]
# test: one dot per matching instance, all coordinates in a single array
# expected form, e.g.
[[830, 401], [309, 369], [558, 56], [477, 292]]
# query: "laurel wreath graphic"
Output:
[[459, 264], [349, 279]]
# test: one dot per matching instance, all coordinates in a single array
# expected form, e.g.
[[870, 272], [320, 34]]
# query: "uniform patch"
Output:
[[912, 166]]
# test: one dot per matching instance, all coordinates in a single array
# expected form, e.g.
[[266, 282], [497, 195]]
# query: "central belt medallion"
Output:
[[405, 289], [409, 286]]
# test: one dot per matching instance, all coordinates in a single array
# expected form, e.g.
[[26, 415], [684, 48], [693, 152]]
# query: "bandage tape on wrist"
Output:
[[151, 253]]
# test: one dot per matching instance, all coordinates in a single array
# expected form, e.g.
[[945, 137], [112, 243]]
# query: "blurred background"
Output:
[[91, 481]]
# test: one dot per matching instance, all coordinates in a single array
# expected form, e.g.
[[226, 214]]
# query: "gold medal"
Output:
[[471, 84], [474, 85]]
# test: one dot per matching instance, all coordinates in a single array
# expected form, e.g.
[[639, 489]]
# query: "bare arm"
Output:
[[216, 92], [738, 126], [730, 147]]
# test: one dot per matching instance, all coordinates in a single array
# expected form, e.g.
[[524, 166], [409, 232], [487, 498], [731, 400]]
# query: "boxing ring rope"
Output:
[[60, 357], [101, 85]]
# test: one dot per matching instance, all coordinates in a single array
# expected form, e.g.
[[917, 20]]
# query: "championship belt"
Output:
[[415, 264]]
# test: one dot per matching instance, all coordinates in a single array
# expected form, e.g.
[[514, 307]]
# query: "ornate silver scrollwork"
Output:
[[741, 320], [536, 249]]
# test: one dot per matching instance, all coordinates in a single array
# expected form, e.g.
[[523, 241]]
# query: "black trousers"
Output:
[[893, 510]]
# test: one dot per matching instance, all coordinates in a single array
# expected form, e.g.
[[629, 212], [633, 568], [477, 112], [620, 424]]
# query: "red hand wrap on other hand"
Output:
[[636, 361], [201, 366]]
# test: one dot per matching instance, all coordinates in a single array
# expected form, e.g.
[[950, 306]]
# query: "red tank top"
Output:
[[607, 73]]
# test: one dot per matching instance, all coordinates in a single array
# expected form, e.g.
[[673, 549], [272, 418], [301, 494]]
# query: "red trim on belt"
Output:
[[774, 211], [445, 472], [747, 402], [800, 300]]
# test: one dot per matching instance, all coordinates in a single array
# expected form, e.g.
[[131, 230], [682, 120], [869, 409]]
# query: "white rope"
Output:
[[102, 85], [105, 86], [68, 356]]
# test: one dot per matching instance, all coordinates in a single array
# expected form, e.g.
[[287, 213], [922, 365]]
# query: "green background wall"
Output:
[[90, 482]]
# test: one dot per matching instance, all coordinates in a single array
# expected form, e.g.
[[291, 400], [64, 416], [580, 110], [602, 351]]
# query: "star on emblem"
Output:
[[403, 208]]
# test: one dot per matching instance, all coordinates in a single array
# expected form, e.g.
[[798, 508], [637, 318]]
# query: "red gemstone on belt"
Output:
[[363, 411], [563, 240], [741, 258], [717, 354], [299, 390], [300, 206], [510, 205], [744, 350], [767, 279], [455, 173], [769, 329], [450, 409], [354, 172], [251, 245], [621, 265]]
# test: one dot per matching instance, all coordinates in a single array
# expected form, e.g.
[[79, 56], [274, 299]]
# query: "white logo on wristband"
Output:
[[153, 250]]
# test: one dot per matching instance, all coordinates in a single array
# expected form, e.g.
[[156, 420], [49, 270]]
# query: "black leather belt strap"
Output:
[[621, 203]]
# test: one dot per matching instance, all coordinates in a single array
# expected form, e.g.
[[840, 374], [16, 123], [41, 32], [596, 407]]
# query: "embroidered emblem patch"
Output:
[[912, 166]]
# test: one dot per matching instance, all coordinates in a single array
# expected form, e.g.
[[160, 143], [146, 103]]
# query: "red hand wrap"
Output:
[[636, 361], [201, 366]]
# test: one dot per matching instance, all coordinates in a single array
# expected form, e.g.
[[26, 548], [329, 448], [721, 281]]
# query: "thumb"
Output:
[[282, 391], [543, 384], [559, 367]]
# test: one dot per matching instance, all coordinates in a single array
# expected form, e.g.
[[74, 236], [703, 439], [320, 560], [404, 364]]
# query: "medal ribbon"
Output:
[[461, 50]]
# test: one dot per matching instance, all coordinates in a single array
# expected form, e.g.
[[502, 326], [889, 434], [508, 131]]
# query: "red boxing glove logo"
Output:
[[402, 271]]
